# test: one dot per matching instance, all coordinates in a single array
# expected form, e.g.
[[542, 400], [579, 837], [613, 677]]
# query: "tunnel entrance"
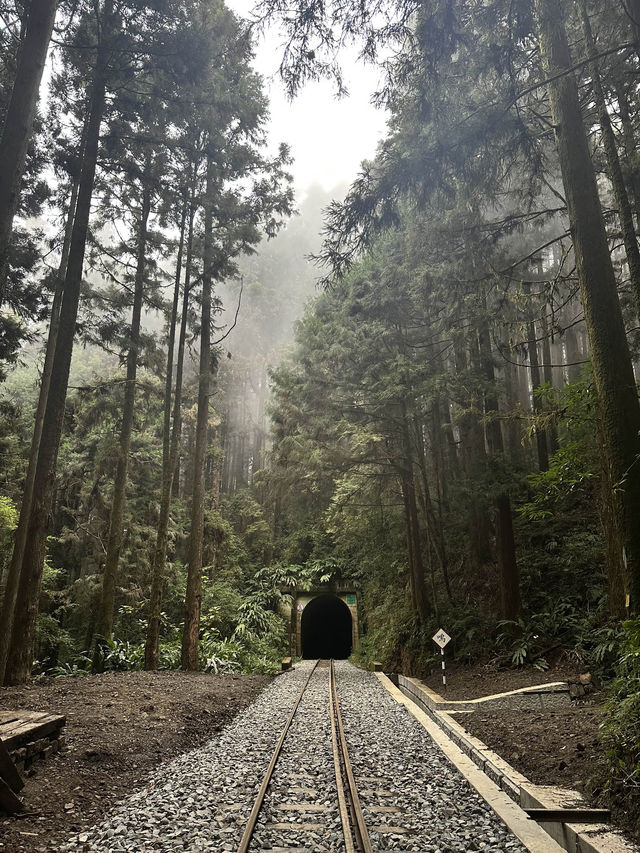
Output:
[[326, 628]]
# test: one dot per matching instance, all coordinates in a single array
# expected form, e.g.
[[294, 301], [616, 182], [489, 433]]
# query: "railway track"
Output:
[[354, 828], [413, 798]]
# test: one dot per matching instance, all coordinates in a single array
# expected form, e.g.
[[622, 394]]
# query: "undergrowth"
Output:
[[617, 781]]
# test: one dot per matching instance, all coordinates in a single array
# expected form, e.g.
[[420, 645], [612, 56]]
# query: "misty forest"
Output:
[[216, 389]]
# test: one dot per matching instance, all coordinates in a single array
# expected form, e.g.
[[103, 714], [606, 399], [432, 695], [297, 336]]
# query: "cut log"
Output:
[[8, 800], [8, 771]]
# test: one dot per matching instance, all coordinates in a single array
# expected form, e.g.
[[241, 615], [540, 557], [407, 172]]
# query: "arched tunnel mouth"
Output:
[[326, 628]]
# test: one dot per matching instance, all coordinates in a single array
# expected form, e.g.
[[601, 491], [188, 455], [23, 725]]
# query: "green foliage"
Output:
[[618, 780], [244, 652], [217, 655], [470, 629], [132, 622], [222, 598], [254, 618], [53, 641], [398, 376], [8, 523], [561, 627], [122, 656], [8, 519], [393, 635], [572, 478], [79, 667]]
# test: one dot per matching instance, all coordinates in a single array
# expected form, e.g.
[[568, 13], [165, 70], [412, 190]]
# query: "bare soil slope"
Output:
[[552, 747]]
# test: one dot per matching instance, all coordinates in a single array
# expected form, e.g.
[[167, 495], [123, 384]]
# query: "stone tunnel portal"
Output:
[[326, 628]]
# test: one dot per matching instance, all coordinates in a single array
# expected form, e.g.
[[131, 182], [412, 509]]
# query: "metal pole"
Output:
[[444, 675]]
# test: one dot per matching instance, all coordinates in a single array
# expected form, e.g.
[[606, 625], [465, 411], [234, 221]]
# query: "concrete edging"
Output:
[[452, 738]]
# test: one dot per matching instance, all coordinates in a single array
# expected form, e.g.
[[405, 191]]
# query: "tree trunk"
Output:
[[193, 598], [628, 138], [507, 561], [573, 355], [434, 529], [509, 571], [536, 402], [633, 10], [21, 112], [410, 541], [170, 444], [20, 537], [433, 429], [23, 634], [614, 169], [114, 540], [612, 368], [609, 518], [474, 458], [513, 434], [413, 522], [418, 562], [547, 373]]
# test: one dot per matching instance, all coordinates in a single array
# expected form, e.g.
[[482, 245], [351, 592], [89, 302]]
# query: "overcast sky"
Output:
[[328, 137]]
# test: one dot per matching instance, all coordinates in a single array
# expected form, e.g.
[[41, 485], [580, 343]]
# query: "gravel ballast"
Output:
[[413, 799]]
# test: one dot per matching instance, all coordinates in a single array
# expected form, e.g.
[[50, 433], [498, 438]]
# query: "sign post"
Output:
[[441, 638]]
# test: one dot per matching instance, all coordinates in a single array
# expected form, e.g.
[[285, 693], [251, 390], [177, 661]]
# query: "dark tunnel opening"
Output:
[[326, 628]]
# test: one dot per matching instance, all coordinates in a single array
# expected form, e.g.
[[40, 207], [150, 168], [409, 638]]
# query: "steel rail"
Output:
[[343, 768], [337, 763], [245, 841]]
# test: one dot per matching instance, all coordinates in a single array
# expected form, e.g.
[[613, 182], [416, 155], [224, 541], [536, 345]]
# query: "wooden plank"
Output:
[[8, 800], [33, 719], [570, 815], [25, 719], [24, 716], [20, 718], [8, 771], [32, 730], [8, 717]]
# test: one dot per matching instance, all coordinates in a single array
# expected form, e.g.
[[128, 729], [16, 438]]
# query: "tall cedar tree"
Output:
[[18, 123], [18, 632], [613, 371]]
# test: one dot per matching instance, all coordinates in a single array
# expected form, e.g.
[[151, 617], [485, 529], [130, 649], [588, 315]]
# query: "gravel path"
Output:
[[301, 806], [412, 798]]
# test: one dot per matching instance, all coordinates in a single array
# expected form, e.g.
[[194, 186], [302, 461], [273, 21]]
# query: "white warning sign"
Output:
[[441, 638]]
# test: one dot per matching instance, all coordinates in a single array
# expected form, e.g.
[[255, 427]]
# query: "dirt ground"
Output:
[[485, 679], [119, 727], [550, 747]]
